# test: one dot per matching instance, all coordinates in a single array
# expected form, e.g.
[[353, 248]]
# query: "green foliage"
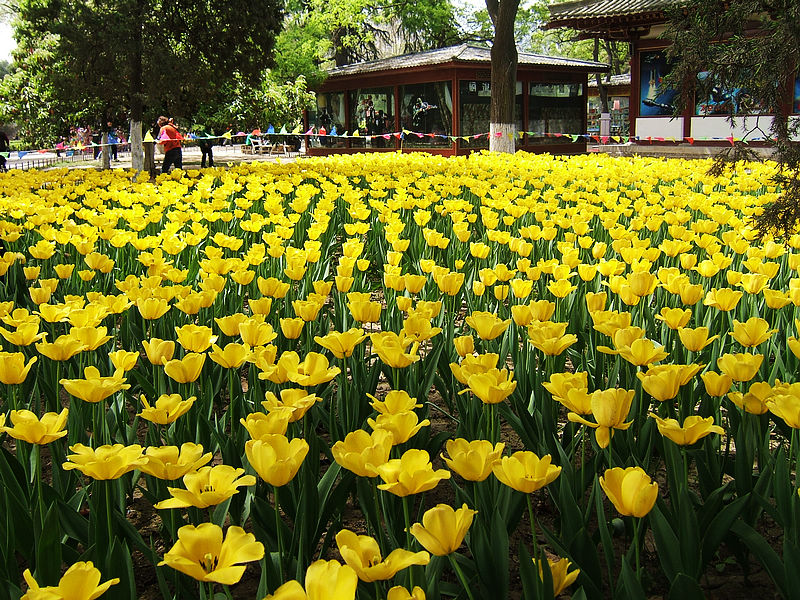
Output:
[[716, 37], [248, 104]]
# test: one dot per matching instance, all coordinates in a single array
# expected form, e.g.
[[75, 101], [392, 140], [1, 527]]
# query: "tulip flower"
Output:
[[80, 582], [630, 490], [473, 365], [62, 349], [493, 386], [785, 403], [167, 408], [562, 579], [13, 368], [232, 356], [403, 426], [443, 529], [158, 351], [487, 325], [695, 340], [472, 460], [412, 473], [255, 332], [675, 318], [525, 472], [464, 345], [342, 344], [275, 458], [609, 408], [752, 332], [186, 369], [560, 383], [754, 401], [327, 579], [123, 360], [170, 462], [398, 592], [362, 309], [229, 325], [362, 554], [296, 401], [395, 402], [724, 299], [105, 462], [292, 328], [29, 428], [275, 422], [201, 553], [362, 452], [393, 350], [94, 388], [207, 486], [740, 367], [313, 370], [195, 338], [152, 308], [693, 429]]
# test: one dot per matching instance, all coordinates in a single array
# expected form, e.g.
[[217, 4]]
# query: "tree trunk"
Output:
[[135, 93], [502, 125]]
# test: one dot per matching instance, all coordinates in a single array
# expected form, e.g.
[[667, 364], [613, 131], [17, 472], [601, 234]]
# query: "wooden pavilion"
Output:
[[438, 101], [643, 24]]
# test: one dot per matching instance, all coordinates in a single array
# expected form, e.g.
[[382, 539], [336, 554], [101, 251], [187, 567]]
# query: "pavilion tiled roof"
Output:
[[596, 15], [463, 53]]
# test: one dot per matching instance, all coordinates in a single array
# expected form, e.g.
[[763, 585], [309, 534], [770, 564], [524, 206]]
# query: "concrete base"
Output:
[[670, 151]]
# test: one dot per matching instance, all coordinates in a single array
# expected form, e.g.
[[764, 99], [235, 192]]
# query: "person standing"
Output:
[[113, 141], [170, 138], [205, 139], [5, 148]]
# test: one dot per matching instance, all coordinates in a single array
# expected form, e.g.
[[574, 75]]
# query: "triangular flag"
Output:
[[241, 134], [574, 137], [256, 132], [730, 139], [604, 139], [498, 133], [596, 138], [226, 135], [68, 154], [615, 138], [386, 136], [7, 154], [296, 130], [270, 130], [324, 132], [21, 153], [625, 139], [310, 131], [419, 135], [650, 139], [660, 139], [283, 130], [356, 134], [345, 134], [465, 138], [333, 131], [399, 135], [148, 137], [521, 134]]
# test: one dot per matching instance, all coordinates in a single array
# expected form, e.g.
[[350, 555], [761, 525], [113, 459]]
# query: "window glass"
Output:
[[796, 96], [328, 114], [426, 109], [555, 108], [372, 114], [713, 98], [476, 99]]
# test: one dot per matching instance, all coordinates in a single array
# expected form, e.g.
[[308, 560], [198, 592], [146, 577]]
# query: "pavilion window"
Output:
[[555, 108]]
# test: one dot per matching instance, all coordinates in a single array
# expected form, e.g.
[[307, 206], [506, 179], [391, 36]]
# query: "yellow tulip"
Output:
[[403, 426], [472, 460], [493, 386], [630, 490], [785, 403], [29, 428], [752, 332], [201, 553], [696, 339], [609, 408], [207, 486], [186, 369], [170, 462], [464, 344], [327, 579], [195, 338], [740, 367], [412, 473], [362, 554], [675, 318], [724, 299], [296, 401], [362, 452], [342, 344], [123, 360], [755, 400], [275, 458], [105, 462], [562, 579], [393, 349], [260, 424], [693, 429], [232, 356], [167, 408], [94, 387], [292, 328], [525, 472], [443, 529], [13, 368], [158, 351], [80, 582], [152, 308]]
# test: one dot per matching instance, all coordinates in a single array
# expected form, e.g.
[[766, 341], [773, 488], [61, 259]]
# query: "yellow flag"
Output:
[[148, 137], [227, 135]]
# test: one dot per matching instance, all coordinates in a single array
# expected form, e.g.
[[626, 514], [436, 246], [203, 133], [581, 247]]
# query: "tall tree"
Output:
[[750, 46], [134, 55], [502, 127]]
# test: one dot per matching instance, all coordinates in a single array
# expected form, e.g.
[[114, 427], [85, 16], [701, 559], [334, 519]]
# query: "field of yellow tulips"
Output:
[[397, 376]]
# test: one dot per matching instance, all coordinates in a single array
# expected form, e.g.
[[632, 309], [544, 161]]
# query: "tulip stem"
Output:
[[460, 575], [278, 535], [407, 519], [636, 544]]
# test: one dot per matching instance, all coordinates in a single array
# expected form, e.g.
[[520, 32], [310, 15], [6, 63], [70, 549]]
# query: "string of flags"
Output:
[[69, 150]]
